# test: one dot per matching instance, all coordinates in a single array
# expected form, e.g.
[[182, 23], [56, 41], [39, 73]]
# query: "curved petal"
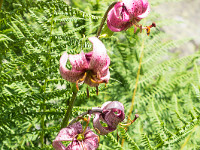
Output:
[[112, 105], [145, 5], [66, 134], [100, 61], [113, 119], [145, 14], [113, 113], [58, 145], [75, 145], [106, 76], [98, 127], [134, 7], [91, 140], [118, 18], [78, 61], [137, 8], [69, 75]]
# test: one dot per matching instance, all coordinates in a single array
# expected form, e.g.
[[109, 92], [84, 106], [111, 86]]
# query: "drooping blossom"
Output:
[[80, 141], [91, 68], [126, 14], [112, 114]]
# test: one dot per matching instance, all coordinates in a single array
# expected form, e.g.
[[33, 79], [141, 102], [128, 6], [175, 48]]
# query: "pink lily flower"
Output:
[[91, 68], [126, 14], [80, 141], [112, 114]]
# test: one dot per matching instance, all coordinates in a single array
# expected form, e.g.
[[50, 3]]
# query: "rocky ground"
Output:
[[188, 13]]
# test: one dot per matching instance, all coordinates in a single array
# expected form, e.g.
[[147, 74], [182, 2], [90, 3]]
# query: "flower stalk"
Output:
[[137, 79], [1, 2], [91, 111], [104, 19], [70, 107]]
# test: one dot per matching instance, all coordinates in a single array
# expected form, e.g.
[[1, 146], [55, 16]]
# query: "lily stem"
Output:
[[91, 111], [104, 19], [137, 79], [1, 2], [70, 106], [136, 83]]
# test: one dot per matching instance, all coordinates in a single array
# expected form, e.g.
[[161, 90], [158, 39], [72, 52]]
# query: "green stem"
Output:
[[137, 79], [70, 106], [104, 19], [1, 2]]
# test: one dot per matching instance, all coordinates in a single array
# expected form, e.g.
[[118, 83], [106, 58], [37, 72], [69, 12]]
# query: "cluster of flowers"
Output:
[[93, 68], [111, 113]]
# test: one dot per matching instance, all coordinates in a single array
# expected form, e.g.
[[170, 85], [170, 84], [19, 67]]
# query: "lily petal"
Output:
[[75, 145], [98, 127], [113, 119], [91, 140], [112, 105], [100, 61], [78, 61], [145, 14], [118, 18], [66, 134], [112, 114], [71, 75], [105, 76], [127, 13]]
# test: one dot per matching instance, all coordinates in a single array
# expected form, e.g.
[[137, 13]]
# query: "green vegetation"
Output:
[[33, 95]]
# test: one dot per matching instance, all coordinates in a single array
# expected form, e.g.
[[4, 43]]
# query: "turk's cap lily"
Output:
[[127, 13], [91, 68], [87, 140], [137, 9], [112, 114]]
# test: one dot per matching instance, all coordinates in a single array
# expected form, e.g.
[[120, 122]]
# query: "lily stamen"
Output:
[[80, 80], [147, 28], [131, 121], [88, 120], [97, 82]]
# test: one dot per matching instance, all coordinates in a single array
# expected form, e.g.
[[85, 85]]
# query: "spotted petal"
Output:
[[118, 18], [78, 62], [137, 7], [127, 13], [112, 114], [98, 127], [145, 14], [100, 61], [91, 140], [66, 134]]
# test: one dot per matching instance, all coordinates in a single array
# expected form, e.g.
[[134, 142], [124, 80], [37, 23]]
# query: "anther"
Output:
[[88, 120], [80, 80], [148, 28], [97, 82], [131, 121]]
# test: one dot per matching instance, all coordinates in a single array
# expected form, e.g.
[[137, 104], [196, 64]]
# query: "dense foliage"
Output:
[[33, 95]]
